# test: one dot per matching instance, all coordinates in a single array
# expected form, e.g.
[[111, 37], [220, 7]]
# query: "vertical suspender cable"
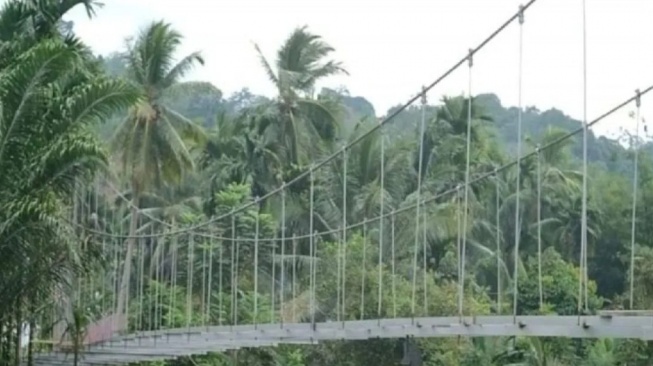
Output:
[[424, 264], [458, 237], [189, 275], [316, 238], [237, 280], [88, 202], [220, 281], [203, 301], [151, 275], [381, 220], [363, 270], [345, 157], [497, 224], [418, 199], [586, 279], [463, 250], [283, 250], [95, 216], [209, 286], [153, 283], [273, 284], [517, 222], [173, 277], [256, 234], [294, 278], [127, 285], [233, 268], [312, 244], [114, 270], [539, 225], [159, 284], [141, 279], [116, 264], [392, 249], [638, 103], [583, 240]]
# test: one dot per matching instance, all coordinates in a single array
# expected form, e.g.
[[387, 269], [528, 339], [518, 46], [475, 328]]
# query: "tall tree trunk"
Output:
[[131, 241], [76, 357]]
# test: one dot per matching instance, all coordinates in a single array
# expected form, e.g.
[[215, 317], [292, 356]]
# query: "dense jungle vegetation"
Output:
[[183, 152]]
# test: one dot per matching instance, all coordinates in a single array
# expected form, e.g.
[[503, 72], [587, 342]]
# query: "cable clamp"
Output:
[[470, 57], [521, 14], [638, 98], [423, 95]]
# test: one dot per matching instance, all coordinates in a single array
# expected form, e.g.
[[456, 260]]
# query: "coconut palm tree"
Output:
[[446, 137], [152, 141], [51, 95], [301, 120], [239, 151]]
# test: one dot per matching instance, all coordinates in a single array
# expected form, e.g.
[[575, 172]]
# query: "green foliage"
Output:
[[55, 94], [559, 286], [52, 95]]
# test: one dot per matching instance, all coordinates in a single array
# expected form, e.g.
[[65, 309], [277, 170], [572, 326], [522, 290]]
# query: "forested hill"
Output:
[[602, 151], [202, 102]]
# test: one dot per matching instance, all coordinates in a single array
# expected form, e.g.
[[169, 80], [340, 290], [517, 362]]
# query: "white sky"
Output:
[[392, 47]]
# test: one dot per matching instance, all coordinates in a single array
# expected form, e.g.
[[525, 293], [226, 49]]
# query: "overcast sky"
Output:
[[392, 47]]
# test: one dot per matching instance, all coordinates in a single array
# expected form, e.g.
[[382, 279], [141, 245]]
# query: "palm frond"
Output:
[[182, 67], [266, 67]]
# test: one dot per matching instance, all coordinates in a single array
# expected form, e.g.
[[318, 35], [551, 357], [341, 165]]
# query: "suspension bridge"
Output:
[[292, 302]]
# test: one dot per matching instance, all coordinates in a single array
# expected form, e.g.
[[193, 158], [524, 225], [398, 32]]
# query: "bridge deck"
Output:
[[170, 344]]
